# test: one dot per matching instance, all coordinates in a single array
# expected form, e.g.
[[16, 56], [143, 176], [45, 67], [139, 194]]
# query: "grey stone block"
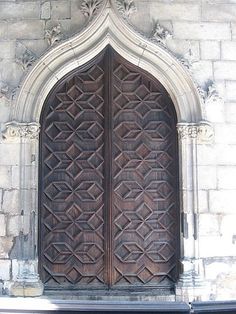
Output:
[[219, 12], [202, 31], [174, 11], [61, 9], [27, 29], [29, 10]]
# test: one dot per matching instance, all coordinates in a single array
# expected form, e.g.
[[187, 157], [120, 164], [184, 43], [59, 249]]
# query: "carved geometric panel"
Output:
[[145, 181], [73, 183], [109, 180]]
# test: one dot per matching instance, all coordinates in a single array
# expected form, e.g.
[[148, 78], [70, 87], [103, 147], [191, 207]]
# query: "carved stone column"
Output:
[[190, 285], [27, 282]]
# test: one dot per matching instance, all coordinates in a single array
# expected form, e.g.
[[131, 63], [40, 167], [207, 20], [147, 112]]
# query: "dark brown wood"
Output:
[[109, 215]]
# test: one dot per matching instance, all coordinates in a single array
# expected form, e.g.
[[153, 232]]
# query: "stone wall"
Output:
[[202, 35]]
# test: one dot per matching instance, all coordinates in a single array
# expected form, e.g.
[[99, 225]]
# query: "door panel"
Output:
[[144, 180], [72, 205], [109, 180]]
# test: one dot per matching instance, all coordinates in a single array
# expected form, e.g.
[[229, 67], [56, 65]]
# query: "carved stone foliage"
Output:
[[26, 59], [126, 7], [202, 131], [16, 129], [160, 34], [6, 91], [53, 35], [90, 7]]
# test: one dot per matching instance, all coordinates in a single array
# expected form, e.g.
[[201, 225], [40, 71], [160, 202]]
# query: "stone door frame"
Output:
[[110, 28]]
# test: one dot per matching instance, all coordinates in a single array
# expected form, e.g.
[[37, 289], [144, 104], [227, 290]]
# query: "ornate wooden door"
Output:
[[109, 215]]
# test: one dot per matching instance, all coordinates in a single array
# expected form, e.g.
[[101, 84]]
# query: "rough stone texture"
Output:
[[175, 11], [11, 202], [5, 175], [19, 10], [6, 244], [20, 29], [13, 225], [2, 225], [202, 31], [5, 269], [61, 9]]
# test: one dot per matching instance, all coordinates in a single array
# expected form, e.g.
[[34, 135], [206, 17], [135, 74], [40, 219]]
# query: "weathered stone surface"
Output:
[[3, 30], [184, 48], [11, 202], [202, 71], [29, 10], [7, 49], [5, 176], [6, 244], [209, 224], [61, 9], [203, 31], [174, 11], [219, 12], [20, 29], [2, 225], [5, 265], [26, 289], [222, 201], [210, 50], [13, 225], [203, 201]]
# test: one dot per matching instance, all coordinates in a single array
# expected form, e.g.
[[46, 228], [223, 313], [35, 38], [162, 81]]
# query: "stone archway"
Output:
[[108, 198], [108, 29]]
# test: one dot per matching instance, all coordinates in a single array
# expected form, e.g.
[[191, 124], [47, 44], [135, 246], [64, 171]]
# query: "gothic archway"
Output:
[[108, 28], [109, 210]]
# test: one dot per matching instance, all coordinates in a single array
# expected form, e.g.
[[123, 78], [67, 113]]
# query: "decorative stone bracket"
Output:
[[203, 132], [16, 130]]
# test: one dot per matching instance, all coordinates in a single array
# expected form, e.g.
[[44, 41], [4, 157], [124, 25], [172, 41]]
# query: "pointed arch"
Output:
[[107, 28]]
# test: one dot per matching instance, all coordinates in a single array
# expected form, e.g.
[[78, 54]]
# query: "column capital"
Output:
[[202, 131], [14, 130]]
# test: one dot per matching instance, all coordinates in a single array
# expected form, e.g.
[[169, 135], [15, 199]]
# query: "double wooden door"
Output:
[[108, 180]]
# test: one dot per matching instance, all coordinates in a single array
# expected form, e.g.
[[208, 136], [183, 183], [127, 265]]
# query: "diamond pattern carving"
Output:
[[109, 206], [72, 199], [143, 163]]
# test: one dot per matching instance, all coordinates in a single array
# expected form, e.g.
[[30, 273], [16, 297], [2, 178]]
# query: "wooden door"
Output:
[[109, 213]]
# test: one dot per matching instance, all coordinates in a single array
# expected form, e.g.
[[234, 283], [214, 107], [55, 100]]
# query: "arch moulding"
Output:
[[109, 28]]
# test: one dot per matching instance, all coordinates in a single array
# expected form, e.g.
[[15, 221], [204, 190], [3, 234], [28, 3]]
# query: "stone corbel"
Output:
[[16, 130], [203, 132]]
